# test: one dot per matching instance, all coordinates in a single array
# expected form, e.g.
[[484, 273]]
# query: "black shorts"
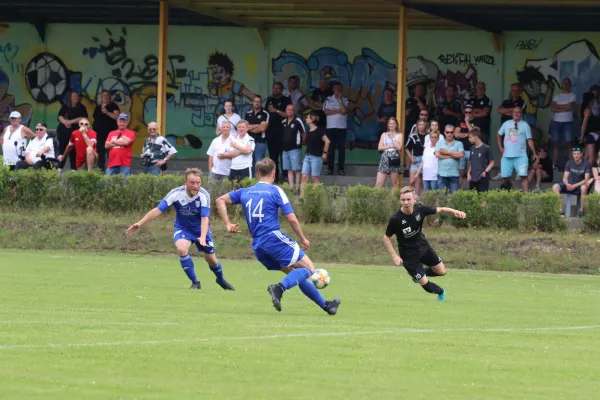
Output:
[[414, 264], [239, 174]]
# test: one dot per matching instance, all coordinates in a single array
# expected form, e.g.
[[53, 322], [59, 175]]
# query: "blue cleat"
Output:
[[442, 297]]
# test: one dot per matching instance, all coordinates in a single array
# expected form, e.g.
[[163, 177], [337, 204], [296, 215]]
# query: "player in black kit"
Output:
[[415, 251]]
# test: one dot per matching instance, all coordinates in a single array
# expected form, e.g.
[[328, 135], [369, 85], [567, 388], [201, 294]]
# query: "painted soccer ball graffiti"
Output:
[[46, 78]]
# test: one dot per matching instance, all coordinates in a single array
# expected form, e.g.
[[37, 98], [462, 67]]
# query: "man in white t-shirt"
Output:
[[240, 153], [14, 139], [219, 168], [563, 106], [39, 146], [336, 110]]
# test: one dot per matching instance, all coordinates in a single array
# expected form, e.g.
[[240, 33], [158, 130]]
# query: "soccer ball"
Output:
[[320, 278], [46, 78]]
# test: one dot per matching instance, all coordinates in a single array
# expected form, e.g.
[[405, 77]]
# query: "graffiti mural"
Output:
[[8, 104], [364, 80]]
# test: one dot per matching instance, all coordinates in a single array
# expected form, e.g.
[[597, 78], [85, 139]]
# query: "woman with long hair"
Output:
[[390, 164], [414, 150], [590, 127], [69, 116], [229, 116], [105, 121]]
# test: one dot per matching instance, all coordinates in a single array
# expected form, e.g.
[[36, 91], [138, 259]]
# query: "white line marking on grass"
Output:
[[84, 323], [291, 335]]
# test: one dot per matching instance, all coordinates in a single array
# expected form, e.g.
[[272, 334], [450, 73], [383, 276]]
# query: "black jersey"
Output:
[[409, 229]]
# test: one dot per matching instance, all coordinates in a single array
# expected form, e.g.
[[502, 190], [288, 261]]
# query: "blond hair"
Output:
[[407, 189], [192, 171]]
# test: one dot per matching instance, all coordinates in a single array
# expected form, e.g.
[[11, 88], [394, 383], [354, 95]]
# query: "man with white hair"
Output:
[[38, 150], [157, 151], [13, 139]]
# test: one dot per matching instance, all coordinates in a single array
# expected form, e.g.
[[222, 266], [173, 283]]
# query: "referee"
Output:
[[415, 251]]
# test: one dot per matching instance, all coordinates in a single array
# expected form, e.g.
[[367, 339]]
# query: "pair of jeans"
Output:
[[125, 171], [152, 170], [450, 183], [430, 185]]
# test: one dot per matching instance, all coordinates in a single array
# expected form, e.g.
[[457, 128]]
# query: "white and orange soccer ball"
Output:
[[320, 278]]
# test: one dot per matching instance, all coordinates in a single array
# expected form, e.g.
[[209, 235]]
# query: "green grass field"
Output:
[[98, 326]]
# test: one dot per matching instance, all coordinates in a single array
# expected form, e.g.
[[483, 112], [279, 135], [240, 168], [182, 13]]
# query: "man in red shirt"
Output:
[[120, 144], [84, 142]]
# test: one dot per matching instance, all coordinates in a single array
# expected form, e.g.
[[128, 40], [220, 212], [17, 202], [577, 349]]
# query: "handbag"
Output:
[[394, 160]]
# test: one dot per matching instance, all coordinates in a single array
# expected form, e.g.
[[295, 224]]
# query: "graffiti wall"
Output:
[[207, 66], [539, 61]]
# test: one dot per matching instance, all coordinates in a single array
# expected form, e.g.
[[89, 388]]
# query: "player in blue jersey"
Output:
[[192, 210], [273, 248]]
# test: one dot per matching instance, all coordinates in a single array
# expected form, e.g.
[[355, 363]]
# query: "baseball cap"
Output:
[[15, 114], [123, 116]]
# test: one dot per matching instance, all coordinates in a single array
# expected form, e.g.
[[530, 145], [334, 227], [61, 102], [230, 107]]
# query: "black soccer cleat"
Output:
[[331, 307], [276, 292], [225, 285], [195, 285]]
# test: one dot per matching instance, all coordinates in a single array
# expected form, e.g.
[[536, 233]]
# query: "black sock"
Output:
[[431, 272], [432, 288]]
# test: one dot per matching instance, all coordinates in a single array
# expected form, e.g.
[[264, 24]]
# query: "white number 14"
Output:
[[257, 212]]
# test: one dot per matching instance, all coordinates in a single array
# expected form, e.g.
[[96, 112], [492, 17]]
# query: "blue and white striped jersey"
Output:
[[189, 210]]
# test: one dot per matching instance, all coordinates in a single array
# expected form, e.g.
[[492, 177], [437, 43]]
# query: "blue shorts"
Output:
[[276, 251], [210, 249], [292, 160], [414, 167], [312, 165], [462, 163], [510, 164], [562, 131]]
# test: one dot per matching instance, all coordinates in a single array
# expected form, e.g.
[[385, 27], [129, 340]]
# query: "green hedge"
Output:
[[82, 191]]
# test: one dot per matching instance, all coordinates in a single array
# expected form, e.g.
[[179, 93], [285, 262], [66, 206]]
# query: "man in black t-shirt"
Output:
[[407, 225], [481, 105], [482, 162], [449, 111], [275, 105], [317, 99], [508, 105]]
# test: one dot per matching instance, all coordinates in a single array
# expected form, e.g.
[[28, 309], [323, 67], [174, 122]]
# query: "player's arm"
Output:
[[222, 203], [204, 216], [150, 216], [387, 240], [293, 221], [448, 210]]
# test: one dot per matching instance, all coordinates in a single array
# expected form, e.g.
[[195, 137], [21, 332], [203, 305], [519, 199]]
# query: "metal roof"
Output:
[[490, 15]]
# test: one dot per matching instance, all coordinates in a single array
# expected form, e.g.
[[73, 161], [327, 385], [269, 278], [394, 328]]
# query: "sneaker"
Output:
[[562, 213], [537, 189], [341, 172], [517, 178], [329, 172], [442, 297], [225, 285], [276, 292], [195, 285], [497, 177], [581, 214], [331, 307]]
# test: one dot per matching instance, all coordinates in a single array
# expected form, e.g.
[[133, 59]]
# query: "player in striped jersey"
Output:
[[192, 211]]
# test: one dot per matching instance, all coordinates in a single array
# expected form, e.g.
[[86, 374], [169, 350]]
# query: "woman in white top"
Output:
[[563, 106], [390, 144], [229, 116], [14, 140], [429, 165]]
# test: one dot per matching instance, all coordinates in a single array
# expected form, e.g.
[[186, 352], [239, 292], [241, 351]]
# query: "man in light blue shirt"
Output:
[[513, 138], [449, 153]]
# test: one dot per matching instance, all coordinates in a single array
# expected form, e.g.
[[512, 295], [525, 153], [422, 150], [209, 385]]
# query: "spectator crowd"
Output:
[[445, 146]]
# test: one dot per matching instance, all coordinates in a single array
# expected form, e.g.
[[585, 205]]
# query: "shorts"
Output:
[[590, 138], [563, 189], [562, 131], [292, 160], [276, 251], [239, 174], [414, 264], [414, 167], [510, 164], [462, 163], [210, 249], [312, 165]]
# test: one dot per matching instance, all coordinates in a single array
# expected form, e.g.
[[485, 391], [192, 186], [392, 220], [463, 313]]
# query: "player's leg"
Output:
[[187, 264], [433, 262], [419, 274], [215, 266]]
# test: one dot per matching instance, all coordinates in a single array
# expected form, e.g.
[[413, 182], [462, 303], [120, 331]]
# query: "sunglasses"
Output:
[[447, 132], [423, 115], [84, 124], [39, 129], [468, 112]]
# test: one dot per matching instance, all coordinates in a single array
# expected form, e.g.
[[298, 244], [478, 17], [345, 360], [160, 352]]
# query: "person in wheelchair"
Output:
[[40, 152]]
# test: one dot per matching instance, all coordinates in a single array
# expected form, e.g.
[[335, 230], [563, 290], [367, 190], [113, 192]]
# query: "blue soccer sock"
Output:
[[217, 270], [312, 292], [188, 267], [295, 277]]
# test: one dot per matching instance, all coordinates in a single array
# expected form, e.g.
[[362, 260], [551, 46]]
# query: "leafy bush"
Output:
[[502, 208], [313, 205], [540, 212], [470, 202], [367, 205], [591, 221]]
